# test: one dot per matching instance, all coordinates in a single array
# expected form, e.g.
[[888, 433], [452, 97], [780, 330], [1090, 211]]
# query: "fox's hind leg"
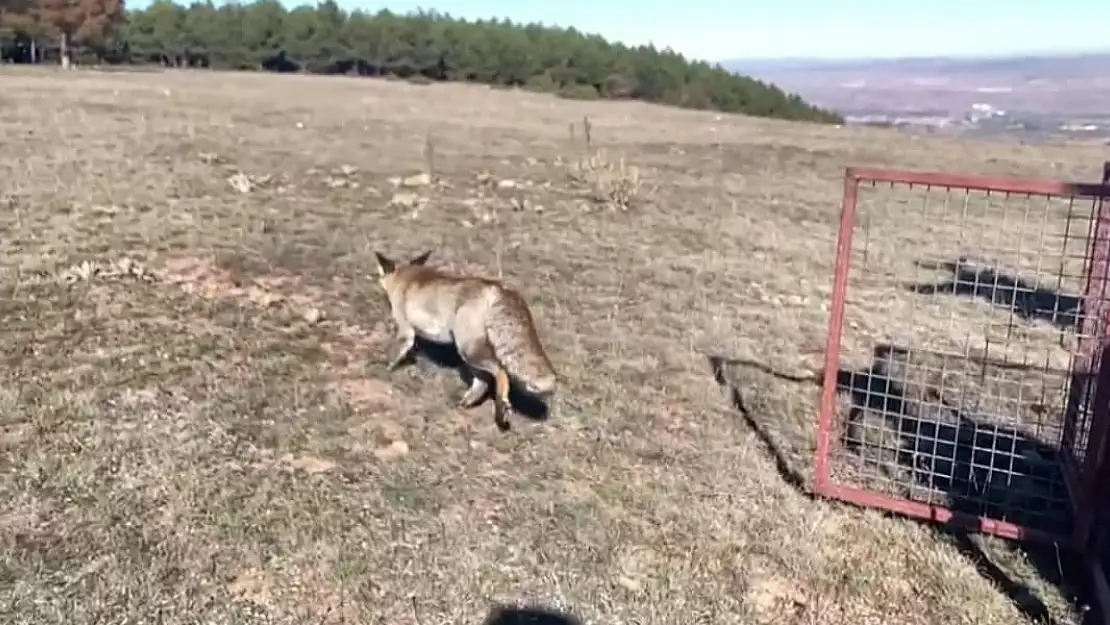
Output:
[[476, 392], [478, 354], [502, 409]]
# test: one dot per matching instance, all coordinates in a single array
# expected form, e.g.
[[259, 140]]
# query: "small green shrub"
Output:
[[579, 92], [542, 83]]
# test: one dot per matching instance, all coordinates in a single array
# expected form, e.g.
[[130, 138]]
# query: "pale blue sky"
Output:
[[723, 29]]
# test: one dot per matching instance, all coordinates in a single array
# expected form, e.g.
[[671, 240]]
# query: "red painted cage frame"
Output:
[[1083, 482]]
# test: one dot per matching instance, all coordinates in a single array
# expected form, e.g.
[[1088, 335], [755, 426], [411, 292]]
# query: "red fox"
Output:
[[488, 322]]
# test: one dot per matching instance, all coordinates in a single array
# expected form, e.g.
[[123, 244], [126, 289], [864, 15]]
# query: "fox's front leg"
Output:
[[406, 336]]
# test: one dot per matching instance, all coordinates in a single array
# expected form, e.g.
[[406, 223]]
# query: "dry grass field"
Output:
[[196, 424]]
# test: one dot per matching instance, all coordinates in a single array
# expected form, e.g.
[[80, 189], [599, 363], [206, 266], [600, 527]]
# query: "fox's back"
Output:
[[435, 302]]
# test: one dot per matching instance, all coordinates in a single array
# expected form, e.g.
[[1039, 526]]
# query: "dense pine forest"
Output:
[[422, 46]]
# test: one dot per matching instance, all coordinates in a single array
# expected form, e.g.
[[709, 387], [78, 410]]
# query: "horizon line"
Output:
[[985, 56]]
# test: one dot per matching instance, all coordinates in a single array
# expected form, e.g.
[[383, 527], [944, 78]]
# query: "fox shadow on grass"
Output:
[[952, 445], [513, 615], [446, 356], [1028, 301]]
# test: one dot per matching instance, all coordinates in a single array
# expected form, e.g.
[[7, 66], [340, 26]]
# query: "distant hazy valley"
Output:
[[1026, 97]]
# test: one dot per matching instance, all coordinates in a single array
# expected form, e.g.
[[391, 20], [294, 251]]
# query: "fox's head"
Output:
[[389, 268]]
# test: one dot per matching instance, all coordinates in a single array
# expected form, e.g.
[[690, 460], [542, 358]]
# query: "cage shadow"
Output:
[[874, 389], [984, 468], [445, 356], [533, 615], [735, 398], [1013, 293]]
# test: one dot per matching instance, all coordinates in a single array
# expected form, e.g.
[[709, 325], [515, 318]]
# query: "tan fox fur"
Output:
[[488, 322]]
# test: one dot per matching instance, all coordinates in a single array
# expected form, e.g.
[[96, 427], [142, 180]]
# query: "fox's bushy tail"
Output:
[[511, 332]]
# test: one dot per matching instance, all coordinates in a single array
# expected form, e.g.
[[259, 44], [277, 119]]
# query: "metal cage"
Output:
[[963, 385]]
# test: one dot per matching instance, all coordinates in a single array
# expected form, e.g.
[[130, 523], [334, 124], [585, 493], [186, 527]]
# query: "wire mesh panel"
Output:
[[966, 327]]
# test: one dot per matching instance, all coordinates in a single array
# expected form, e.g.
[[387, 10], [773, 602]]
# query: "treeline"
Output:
[[425, 45]]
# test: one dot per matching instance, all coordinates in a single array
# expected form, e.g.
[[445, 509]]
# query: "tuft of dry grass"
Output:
[[612, 184], [196, 424]]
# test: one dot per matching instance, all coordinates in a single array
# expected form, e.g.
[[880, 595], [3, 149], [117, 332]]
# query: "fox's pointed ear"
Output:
[[385, 265], [420, 260]]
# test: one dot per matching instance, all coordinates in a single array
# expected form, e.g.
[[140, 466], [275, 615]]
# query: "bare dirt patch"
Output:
[[202, 277], [197, 445], [303, 303]]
